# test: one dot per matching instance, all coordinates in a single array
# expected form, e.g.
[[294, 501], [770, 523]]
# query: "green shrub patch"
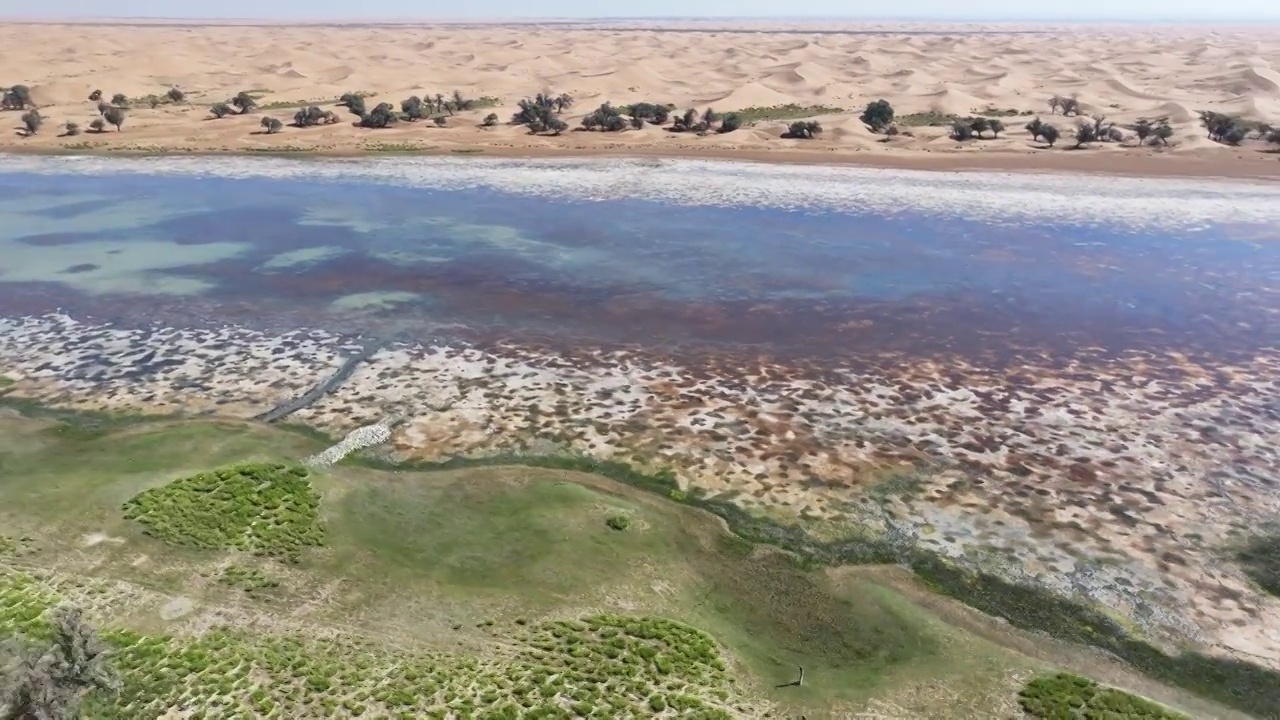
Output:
[[263, 508]]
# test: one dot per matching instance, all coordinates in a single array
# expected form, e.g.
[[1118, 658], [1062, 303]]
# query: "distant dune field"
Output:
[[823, 72]]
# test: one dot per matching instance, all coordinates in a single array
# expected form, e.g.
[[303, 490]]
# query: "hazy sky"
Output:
[[493, 9]]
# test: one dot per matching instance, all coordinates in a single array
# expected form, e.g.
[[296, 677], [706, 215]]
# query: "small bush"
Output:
[[490, 120], [439, 120], [272, 125], [71, 128], [220, 110], [95, 96], [175, 95], [97, 125], [618, 521], [120, 100], [244, 102]]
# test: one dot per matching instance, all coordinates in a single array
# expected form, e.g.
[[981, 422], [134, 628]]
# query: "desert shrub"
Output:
[[244, 102], [1163, 132], [381, 116], [1114, 134], [1273, 137], [31, 121], [979, 125], [1034, 127], [1224, 128], [618, 521], [1067, 696], [996, 126], [878, 115], [97, 125], [1085, 133], [175, 95], [1049, 134], [263, 508], [220, 110], [490, 120], [729, 123], [71, 128], [313, 115], [439, 120], [115, 116], [17, 97], [804, 129], [95, 96], [120, 100], [961, 131], [51, 679], [656, 113], [353, 102], [272, 125], [1067, 105], [606, 118], [414, 109]]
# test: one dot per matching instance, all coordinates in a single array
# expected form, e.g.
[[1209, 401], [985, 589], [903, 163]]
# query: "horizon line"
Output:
[[559, 19]]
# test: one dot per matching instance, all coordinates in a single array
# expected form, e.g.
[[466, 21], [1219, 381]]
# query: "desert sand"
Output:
[[1123, 73]]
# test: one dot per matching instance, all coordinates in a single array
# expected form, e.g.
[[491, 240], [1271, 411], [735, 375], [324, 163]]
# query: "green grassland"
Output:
[[234, 583]]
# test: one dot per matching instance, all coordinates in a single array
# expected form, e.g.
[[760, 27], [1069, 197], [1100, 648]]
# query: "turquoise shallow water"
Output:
[[388, 258]]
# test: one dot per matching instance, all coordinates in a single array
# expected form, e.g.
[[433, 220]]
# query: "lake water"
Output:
[[793, 261]]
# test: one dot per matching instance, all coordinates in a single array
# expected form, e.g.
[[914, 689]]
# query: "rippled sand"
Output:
[[1121, 72]]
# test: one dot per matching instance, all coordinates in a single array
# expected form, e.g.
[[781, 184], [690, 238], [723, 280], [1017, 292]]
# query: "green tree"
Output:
[[244, 102], [1163, 132], [218, 110], [1144, 130], [381, 116], [120, 100], [1085, 133], [353, 102], [562, 101], [17, 97], [32, 120], [878, 115], [979, 125], [1049, 133], [414, 109], [730, 122], [272, 125], [115, 116], [961, 131], [996, 125], [313, 115], [50, 680], [804, 129], [1035, 127], [606, 117]]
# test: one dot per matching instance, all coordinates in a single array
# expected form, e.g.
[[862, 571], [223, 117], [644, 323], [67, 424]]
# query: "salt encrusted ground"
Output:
[[1122, 480]]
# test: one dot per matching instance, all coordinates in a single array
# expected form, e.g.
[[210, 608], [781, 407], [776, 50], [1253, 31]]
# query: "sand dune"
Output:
[[1124, 73]]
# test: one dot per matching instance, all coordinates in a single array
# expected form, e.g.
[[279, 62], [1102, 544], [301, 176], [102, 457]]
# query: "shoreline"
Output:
[[1062, 162]]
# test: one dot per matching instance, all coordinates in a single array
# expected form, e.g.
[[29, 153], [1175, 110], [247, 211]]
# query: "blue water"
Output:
[[620, 269]]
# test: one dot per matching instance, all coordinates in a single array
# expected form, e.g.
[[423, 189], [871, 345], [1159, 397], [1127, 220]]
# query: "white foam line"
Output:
[[992, 197]]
